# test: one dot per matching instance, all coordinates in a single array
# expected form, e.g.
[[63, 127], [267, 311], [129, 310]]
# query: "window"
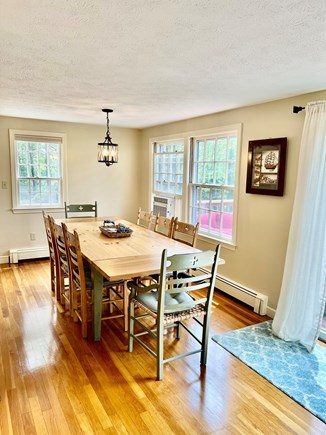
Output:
[[37, 169], [212, 184], [168, 167], [200, 172]]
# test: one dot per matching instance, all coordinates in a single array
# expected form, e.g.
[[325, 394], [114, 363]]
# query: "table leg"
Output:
[[97, 303]]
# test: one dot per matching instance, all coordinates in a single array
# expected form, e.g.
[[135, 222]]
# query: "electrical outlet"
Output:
[[32, 236], [4, 184]]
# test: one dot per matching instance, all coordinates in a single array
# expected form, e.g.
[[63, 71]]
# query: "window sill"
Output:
[[213, 241], [37, 210]]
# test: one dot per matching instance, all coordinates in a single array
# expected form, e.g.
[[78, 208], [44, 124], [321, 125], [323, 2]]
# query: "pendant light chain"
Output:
[[108, 137]]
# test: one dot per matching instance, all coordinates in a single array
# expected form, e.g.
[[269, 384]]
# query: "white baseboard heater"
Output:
[[250, 297], [28, 254]]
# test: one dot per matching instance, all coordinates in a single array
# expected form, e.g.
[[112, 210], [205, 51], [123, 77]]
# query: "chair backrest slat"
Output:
[[75, 258], [49, 235], [58, 242], [203, 277], [164, 225], [81, 210], [145, 219], [184, 232]]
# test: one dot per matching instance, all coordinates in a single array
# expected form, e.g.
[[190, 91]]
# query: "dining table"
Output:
[[136, 255]]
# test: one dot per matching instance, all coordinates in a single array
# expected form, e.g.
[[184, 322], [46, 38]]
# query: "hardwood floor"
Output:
[[54, 382]]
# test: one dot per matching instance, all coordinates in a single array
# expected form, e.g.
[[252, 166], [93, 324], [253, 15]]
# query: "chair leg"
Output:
[[159, 350], [61, 289], [204, 345], [53, 277], [110, 307], [125, 305], [70, 292], [83, 310], [57, 282], [74, 302], [179, 327], [131, 326]]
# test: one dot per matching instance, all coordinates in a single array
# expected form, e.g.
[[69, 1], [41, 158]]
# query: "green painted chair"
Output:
[[80, 210], [171, 302]]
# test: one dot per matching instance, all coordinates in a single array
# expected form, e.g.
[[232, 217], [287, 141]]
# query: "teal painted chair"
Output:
[[80, 210], [171, 303]]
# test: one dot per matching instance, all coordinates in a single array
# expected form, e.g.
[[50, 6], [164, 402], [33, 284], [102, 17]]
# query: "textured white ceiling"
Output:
[[156, 61]]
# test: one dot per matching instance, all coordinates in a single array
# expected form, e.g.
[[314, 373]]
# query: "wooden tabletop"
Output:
[[117, 258]]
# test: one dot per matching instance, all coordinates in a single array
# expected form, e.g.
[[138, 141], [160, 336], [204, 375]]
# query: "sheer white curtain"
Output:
[[302, 300]]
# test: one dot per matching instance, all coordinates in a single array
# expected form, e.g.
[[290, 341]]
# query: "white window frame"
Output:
[[36, 135], [168, 142], [184, 213], [207, 206]]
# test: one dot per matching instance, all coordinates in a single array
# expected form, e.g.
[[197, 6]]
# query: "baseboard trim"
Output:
[[4, 259], [250, 297], [16, 255]]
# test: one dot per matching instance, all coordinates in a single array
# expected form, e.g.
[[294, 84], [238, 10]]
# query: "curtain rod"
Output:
[[297, 109]]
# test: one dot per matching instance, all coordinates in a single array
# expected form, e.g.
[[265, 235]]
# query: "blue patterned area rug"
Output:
[[287, 365]]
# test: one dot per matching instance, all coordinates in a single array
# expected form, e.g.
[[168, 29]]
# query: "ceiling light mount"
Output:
[[107, 152]]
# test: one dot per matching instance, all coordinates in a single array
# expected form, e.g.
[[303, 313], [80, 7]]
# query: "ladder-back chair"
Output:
[[53, 262], [114, 293], [63, 281], [184, 232], [145, 219], [164, 225], [171, 302]]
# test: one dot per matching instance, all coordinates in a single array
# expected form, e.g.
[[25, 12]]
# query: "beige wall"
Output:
[[263, 221], [115, 188]]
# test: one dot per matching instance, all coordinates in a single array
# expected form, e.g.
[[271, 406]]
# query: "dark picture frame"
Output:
[[266, 166]]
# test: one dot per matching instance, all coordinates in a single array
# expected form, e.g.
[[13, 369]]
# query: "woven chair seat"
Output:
[[197, 311]]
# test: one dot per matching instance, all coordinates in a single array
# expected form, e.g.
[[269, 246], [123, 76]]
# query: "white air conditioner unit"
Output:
[[164, 206]]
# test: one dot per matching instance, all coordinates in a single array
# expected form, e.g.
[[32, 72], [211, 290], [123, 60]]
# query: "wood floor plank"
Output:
[[37, 415], [54, 382]]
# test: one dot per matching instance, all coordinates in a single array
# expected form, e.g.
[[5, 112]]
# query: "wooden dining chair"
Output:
[[80, 210], [145, 219], [171, 302], [164, 225], [114, 293], [184, 232], [63, 281], [53, 262]]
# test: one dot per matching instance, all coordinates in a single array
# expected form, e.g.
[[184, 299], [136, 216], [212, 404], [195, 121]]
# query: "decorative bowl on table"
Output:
[[113, 230]]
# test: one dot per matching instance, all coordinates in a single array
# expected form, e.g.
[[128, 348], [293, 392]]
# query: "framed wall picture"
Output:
[[266, 166]]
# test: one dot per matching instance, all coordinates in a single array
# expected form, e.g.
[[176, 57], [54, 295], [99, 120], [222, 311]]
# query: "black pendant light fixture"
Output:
[[107, 152]]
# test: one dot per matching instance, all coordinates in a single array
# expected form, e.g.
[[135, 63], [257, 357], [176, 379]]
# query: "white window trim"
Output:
[[12, 135], [167, 194], [187, 136]]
